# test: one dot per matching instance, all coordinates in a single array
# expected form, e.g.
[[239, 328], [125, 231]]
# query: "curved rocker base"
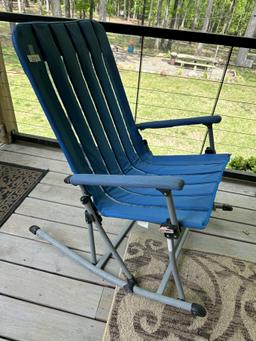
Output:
[[194, 308]]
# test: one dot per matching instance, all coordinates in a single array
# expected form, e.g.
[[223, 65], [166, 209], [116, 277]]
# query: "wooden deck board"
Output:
[[42, 256], [73, 236], [41, 284], [49, 290], [57, 212], [26, 321]]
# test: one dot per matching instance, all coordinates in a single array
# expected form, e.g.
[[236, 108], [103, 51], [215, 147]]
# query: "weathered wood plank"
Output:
[[72, 236], [27, 321], [236, 200], [57, 179], [34, 161], [222, 246], [68, 195], [239, 215], [36, 150], [43, 256], [105, 304], [232, 230], [50, 290], [239, 187], [62, 213]]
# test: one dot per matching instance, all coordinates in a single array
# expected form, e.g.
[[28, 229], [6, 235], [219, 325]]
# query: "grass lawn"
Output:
[[162, 97]]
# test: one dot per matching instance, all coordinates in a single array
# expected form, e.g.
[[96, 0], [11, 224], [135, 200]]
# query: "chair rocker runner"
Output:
[[73, 72]]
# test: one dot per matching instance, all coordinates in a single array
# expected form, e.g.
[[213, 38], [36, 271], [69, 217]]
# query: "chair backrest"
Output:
[[73, 72]]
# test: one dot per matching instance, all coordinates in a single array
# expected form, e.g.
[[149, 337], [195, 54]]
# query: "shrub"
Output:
[[240, 163]]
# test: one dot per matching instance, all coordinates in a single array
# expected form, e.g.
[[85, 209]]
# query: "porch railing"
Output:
[[158, 86]]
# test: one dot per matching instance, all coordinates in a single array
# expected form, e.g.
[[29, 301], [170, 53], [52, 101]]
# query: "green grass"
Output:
[[161, 97]]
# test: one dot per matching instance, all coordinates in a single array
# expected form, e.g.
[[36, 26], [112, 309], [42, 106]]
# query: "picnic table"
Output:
[[191, 60]]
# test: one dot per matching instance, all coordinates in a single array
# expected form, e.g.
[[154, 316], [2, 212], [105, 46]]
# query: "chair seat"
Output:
[[193, 204]]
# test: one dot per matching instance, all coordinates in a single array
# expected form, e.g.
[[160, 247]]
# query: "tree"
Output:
[[176, 13], [158, 21], [40, 6], [103, 10], [196, 14], [250, 31], [21, 6], [56, 8], [150, 14], [8, 8], [205, 24], [67, 8]]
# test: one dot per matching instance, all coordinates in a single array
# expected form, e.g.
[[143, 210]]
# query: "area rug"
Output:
[[16, 182], [226, 287]]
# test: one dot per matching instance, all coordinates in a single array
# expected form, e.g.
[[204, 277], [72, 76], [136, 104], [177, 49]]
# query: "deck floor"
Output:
[[45, 296]]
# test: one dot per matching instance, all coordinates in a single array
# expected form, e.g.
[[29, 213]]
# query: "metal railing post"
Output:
[[218, 94], [139, 78]]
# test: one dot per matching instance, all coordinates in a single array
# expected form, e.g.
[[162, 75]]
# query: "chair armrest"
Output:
[[206, 120], [150, 181]]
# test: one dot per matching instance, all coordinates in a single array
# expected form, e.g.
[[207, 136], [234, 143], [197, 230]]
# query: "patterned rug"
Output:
[[16, 182], [226, 287]]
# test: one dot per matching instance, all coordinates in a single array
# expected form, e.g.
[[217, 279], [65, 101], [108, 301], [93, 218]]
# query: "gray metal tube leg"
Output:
[[113, 250], [92, 243], [180, 291]]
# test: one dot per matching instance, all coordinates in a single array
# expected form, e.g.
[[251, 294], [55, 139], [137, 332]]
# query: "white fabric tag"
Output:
[[34, 58], [143, 224]]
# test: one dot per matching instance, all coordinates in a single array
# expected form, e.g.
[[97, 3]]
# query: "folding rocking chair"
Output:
[[73, 72]]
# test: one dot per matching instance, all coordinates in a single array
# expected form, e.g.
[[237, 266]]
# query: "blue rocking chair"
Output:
[[73, 72]]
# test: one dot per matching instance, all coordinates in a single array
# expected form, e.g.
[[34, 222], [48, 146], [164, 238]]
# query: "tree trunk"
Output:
[[125, 10], [21, 6], [250, 30], [166, 23], [176, 15], [56, 8], [185, 15], [205, 24], [8, 8], [91, 9], [135, 9], [128, 9], [67, 8], [47, 3], [103, 10], [40, 7], [8, 5], [230, 16], [72, 8], [150, 12], [196, 16], [158, 22]]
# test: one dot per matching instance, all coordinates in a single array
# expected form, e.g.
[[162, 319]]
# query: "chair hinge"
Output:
[[85, 199], [128, 287], [209, 150], [89, 218], [170, 231]]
